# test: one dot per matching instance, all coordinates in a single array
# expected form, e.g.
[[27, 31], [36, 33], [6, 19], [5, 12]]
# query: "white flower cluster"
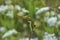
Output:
[[52, 21], [20, 14], [53, 13], [8, 2], [10, 10], [42, 9], [2, 29], [23, 10], [58, 16], [3, 8], [6, 7], [58, 23], [10, 14], [59, 7], [9, 33], [28, 39], [48, 36], [17, 7]]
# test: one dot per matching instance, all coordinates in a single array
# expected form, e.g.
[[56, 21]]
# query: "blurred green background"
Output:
[[21, 16]]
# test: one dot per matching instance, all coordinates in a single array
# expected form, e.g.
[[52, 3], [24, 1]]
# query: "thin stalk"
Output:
[[30, 29]]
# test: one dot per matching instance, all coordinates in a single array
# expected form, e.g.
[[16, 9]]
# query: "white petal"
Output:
[[3, 8], [58, 23], [58, 15], [59, 7], [2, 29], [52, 13], [24, 10], [8, 1], [20, 14], [52, 21], [10, 7], [10, 32], [49, 36], [42, 9], [17, 7], [10, 14]]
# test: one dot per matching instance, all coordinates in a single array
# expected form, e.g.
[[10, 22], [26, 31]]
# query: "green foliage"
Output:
[[31, 6]]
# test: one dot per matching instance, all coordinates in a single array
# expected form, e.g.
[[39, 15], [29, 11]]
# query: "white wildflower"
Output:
[[52, 21], [59, 7], [48, 36], [58, 15], [2, 29], [10, 7], [20, 14], [45, 33], [47, 14], [24, 10], [3, 8], [28, 39], [10, 32], [42, 9], [45, 37], [17, 7], [8, 1], [54, 38], [52, 13], [10, 14], [58, 23], [45, 19]]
